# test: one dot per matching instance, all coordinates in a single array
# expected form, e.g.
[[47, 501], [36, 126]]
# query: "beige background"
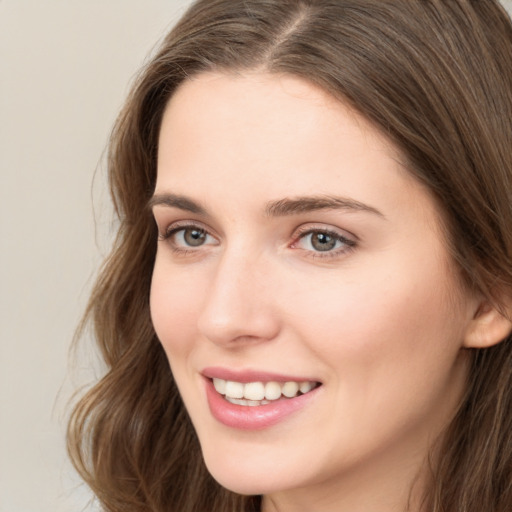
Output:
[[65, 66]]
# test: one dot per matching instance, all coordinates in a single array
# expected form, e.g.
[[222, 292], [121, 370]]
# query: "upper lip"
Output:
[[249, 375]]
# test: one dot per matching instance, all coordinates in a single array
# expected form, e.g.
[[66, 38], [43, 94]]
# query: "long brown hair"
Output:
[[436, 77]]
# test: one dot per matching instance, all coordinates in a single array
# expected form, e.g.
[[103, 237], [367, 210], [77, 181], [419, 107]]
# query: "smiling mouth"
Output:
[[261, 393]]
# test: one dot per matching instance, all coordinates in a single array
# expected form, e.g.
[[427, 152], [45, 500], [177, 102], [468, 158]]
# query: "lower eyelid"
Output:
[[184, 248], [347, 244]]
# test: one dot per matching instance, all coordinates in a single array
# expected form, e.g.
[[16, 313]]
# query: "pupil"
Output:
[[194, 237], [323, 242]]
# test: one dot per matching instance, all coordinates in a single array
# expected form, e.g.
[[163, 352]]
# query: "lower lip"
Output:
[[256, 417]]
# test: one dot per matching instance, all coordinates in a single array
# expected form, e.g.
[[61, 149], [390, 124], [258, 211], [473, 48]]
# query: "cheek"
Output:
[[174, 302], [390, 350], [381, 325]]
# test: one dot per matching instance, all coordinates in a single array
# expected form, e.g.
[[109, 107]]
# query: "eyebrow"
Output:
[[304, 204], [176, 201], [278, 208]]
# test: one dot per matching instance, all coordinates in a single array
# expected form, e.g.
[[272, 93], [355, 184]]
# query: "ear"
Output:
[[488, 326]]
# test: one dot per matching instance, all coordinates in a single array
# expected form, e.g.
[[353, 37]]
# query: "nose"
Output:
[[239, 305]]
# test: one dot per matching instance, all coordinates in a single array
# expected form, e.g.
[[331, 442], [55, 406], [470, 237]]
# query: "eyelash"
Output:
[[174, 229], [347, 243]]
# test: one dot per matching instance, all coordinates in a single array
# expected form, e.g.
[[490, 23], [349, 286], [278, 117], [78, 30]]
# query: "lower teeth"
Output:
[[243, 401], [253, 403]]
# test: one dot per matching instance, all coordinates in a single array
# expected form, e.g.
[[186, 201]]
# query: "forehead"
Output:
[[261, 119], [275, 100]]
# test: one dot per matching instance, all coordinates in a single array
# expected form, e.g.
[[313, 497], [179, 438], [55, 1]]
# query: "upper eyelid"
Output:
[[326, 228], [177, 224], [349, 243], [299, 231], [340, 237], [167, 235]]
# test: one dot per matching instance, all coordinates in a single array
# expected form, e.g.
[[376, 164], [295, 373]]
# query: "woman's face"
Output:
[[296, 252]]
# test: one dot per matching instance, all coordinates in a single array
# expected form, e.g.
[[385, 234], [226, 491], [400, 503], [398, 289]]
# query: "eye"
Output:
[[187, 237], [193, 237], [321, 241], [324, 241]]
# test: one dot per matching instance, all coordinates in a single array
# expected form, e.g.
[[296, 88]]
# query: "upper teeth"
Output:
[[261, 390]]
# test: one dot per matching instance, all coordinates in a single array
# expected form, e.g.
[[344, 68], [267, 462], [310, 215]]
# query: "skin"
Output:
[[381, 321]]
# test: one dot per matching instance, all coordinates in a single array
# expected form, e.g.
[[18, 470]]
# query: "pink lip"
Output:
[[216, 372], [253, 417]]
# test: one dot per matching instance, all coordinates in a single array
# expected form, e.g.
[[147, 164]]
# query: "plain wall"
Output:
[[65, 66]]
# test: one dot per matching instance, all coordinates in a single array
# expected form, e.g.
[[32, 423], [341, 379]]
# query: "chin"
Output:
[[236, 478], [246, 486], [252, 476], [243, 486]]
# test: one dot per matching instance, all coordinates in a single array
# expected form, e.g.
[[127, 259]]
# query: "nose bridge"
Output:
[[238, 304]]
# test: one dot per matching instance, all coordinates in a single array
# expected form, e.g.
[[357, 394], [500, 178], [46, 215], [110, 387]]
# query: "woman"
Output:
[[316, 235]]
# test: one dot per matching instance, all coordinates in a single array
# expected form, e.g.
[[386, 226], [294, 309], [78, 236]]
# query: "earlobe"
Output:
[[488, 327]]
